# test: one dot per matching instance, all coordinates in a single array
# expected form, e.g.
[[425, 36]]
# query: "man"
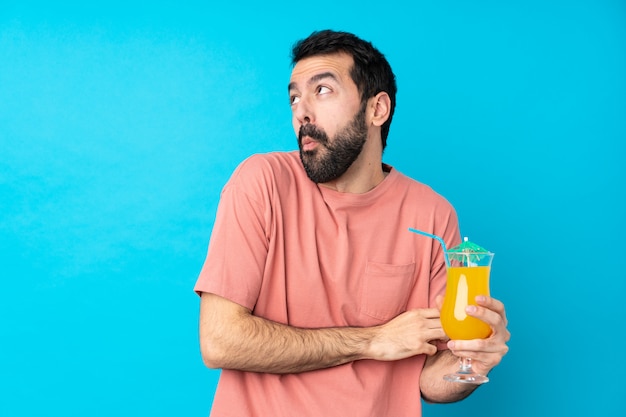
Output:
[[316, 300]]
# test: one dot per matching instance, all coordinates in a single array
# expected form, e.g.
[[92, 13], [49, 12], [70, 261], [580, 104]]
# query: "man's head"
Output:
[[340, 112], [371, 72]]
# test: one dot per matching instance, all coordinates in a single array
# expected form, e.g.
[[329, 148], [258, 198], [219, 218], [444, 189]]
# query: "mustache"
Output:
[[313, 132]]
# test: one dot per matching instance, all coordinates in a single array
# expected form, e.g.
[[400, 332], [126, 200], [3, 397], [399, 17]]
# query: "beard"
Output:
[[332, 158]]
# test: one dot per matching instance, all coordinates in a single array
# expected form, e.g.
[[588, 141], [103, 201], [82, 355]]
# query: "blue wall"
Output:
[[120, 123]]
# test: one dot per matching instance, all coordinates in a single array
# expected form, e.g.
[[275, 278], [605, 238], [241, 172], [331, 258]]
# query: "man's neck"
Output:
[[360, 178]]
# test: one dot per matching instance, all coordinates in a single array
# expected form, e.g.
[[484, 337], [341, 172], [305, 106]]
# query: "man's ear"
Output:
[[381, 104]]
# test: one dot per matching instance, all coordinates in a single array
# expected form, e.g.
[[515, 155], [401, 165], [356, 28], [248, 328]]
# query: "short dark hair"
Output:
[[371, 72]]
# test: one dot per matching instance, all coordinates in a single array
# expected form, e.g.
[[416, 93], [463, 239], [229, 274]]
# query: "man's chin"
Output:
[[310, 157]]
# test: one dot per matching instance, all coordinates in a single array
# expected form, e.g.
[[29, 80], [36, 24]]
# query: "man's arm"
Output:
[[232, 338]]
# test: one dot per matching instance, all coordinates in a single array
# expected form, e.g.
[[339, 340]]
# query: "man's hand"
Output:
[[409, 334], [485, 353]]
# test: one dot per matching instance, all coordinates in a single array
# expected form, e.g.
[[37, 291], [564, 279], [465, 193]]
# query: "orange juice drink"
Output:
[[463, 285]]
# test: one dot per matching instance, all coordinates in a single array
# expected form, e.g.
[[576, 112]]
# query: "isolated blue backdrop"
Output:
[[120, 122]]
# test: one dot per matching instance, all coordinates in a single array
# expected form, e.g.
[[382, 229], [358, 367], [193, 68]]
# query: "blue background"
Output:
[[120, 122]]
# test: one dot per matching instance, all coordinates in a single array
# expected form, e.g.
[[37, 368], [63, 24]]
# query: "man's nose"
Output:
[[304, 112]]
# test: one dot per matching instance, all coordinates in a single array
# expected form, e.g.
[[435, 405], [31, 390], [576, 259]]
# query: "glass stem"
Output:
[[466, 366]]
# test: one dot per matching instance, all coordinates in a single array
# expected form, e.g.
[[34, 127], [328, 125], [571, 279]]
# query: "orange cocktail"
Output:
[[463, 285], [468, 266]]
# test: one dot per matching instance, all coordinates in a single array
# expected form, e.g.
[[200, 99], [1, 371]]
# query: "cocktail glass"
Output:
[[468, 268]]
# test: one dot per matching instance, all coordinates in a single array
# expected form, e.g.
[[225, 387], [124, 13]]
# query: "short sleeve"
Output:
[[237, 251]]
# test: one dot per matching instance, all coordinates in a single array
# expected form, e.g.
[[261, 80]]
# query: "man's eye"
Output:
[[323, 90], [294, 100]]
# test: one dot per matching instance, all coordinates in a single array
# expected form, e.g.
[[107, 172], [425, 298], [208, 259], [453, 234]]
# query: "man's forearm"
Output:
[[433, 387], [260, 345], [232, 338]]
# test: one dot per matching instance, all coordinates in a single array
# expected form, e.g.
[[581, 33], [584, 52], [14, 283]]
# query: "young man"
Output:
[[315, 298]]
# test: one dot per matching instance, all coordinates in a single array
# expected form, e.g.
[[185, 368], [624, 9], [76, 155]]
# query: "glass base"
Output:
[[466, 378]]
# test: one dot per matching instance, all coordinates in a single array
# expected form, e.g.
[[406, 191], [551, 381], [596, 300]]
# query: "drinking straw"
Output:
[[437, 238]]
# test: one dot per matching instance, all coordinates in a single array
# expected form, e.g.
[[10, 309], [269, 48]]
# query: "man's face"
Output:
[[327, 116]]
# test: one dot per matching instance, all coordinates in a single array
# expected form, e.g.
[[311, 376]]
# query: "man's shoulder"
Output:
[[270, 161], [268, 170], [421, 192], [414, 185]]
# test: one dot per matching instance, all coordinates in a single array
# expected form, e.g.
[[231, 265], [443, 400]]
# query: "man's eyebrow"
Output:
[[314, 79]]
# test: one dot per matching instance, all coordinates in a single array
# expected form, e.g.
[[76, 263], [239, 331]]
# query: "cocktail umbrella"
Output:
[[467, 252]]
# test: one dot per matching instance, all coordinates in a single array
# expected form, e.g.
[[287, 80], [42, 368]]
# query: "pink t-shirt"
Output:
[[304, 255]]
